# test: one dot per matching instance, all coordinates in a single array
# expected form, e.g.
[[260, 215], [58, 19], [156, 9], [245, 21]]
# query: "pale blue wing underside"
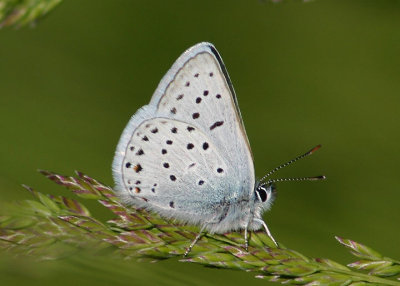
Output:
[[173, 168], [200, 59], [196, 93]]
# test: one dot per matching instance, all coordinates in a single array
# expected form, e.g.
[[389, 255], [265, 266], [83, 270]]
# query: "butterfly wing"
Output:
[[198, 89], [170, 167], [195, 94]]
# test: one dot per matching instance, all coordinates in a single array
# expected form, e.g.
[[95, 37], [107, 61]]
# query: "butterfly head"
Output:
[[265, 194]]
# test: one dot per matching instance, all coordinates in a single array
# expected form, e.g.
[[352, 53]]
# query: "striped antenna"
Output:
[[290, 162], [316, 178]]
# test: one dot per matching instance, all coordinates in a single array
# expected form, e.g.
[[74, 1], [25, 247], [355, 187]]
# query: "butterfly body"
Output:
[[186, 155]]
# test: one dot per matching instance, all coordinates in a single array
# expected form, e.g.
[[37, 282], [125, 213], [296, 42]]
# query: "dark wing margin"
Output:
[[232, 90]]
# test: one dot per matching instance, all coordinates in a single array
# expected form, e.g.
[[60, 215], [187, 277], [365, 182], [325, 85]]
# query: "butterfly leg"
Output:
[[246, 238], [195, 240], [266, 230]]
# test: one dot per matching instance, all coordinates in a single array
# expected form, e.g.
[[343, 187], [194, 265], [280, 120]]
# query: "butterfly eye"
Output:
[[262, 193]]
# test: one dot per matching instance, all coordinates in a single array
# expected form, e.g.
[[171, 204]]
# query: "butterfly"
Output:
[[186, 155]]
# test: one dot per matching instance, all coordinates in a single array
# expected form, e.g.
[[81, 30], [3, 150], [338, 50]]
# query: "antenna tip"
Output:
[[322, 177], [315, 149]]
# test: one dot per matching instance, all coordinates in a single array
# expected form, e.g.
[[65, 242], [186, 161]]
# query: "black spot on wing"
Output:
[[216, 124], [137, 168]]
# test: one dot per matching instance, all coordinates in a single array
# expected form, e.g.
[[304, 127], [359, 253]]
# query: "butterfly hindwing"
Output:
[[171, 166]]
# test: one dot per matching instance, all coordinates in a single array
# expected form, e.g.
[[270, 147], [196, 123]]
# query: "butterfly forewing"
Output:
[[200, 93]]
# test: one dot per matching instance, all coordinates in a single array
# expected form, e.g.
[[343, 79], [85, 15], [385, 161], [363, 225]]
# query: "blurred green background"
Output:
[[326, 71]]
